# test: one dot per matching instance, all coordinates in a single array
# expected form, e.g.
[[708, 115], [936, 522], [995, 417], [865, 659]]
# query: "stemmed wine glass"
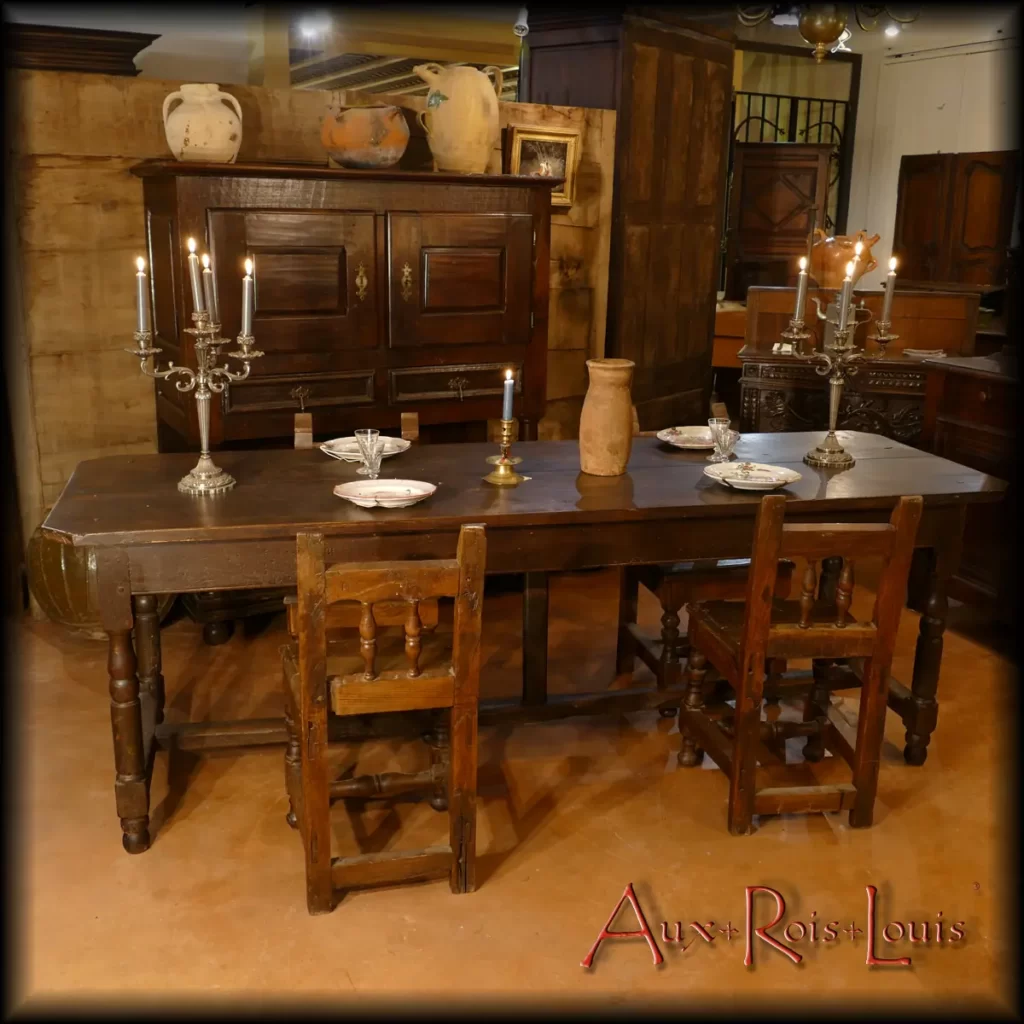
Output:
[[724, 438], [368, 440]]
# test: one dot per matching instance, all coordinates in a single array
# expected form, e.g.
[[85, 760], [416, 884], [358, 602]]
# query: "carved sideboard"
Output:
[[781, 392], [376, 293]]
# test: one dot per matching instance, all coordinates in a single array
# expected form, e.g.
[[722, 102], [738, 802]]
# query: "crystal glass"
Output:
[[374, 453], [724, 438], [366, 439]]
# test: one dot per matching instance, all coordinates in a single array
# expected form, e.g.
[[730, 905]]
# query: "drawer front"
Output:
[[975, 400], [987, 451], [469, 380], [272, 394]]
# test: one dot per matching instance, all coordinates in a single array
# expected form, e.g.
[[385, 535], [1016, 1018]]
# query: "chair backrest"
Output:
[[892, 542], [411, 582]]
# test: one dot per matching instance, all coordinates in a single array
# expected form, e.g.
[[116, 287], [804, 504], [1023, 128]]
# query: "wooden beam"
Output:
[[337, 76]]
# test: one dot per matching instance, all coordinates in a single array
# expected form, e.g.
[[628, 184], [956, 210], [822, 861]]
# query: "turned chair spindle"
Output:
[[807, 594], [412, 639]]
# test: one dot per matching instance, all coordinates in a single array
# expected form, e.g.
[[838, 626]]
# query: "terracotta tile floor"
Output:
[[570, 813]]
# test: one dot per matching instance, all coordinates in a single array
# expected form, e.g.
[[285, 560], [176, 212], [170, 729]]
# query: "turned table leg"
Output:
[[924, 708], [131, 786], [147, 646]]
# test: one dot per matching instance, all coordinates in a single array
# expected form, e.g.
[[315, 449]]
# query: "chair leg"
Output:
[[690, 755], [746, 735], [816, 707], [315, 812], [292, 766], [437, 739], [629, 587], [462, 782], [870, 732]]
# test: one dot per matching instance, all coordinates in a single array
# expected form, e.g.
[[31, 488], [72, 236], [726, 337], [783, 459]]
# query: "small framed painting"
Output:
[[545, 153]]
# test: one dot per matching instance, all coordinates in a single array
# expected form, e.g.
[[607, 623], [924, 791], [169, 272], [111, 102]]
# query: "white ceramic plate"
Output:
[[385, 493], [347, 448], [687, 437], [751, 476]]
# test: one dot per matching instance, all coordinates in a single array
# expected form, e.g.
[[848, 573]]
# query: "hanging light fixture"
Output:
[[824, 26]]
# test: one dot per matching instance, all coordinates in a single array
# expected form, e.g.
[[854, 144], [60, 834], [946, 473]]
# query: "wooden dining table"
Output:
[[151, 539]]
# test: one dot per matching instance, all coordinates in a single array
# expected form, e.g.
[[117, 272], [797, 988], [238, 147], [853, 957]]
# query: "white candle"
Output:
[[247, 300], [141, 299], [890, 284], [193, 272], [844, 298], [209, 292], [506, 406], [801, 290]]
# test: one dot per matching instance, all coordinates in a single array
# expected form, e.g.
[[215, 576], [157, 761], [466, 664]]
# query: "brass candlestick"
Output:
[[795, 334], [882, 335], [504, 474]]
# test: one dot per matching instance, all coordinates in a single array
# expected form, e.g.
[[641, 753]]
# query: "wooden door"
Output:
[[671, 155], [779, 193], [984, 190], [459, 279], [315, 312], [921, 236]]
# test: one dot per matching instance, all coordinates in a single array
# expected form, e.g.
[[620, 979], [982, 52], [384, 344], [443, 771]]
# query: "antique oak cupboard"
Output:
[[376, 293]]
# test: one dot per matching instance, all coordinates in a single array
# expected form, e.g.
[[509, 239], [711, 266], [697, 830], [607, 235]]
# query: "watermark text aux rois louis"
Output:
[[764, 920]]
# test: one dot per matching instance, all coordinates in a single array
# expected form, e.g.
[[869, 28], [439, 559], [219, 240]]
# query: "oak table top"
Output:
[[128, 500]]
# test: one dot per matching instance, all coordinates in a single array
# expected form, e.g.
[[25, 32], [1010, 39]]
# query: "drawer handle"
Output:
[[361, 282], [457, 384], [300, 394], [983, 396], [406, 282]]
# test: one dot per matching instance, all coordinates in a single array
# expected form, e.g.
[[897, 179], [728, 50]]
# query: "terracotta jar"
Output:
[[606, 423], [829, 257], [202, 128], [461, 119], [365, 137]]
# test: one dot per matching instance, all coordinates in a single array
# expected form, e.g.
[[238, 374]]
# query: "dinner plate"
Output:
[[751, 476], [347, 448], [385, 493], [687, 437]]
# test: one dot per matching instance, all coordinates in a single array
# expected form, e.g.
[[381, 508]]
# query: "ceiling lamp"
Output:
[[822, 25]]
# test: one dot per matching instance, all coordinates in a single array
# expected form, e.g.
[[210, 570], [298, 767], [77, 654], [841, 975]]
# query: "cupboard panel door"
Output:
[[984, 192], [459, 279], [315, 295], [921, 237]]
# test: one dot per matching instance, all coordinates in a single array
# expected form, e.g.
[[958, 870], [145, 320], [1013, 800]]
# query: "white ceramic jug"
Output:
[[461, 119], [202, 128]]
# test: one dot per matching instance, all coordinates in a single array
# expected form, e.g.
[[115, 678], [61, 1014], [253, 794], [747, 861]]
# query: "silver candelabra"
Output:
[[839, 361], [206, 380]]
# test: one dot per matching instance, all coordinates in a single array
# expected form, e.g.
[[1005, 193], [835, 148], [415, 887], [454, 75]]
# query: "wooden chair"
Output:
[[738, 638], [412, 672], [674, 586]]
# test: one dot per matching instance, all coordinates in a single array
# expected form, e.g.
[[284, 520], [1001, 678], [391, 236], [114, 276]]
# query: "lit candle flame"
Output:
[[206, 261], [892, 263], [508, 375], [849, 269], [141, 264], [191, 245], [248, 268], [803, 263]]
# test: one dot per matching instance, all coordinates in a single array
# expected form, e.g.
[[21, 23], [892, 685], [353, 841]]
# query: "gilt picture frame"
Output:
[[541, 151]]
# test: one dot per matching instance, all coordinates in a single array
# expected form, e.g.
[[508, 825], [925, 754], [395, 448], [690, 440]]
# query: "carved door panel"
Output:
[[459, 279], [984, 192], [921, 236], [315, 293]]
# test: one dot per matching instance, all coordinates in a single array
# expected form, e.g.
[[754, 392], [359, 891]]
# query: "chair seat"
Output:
[[392, 688], [723, 621]]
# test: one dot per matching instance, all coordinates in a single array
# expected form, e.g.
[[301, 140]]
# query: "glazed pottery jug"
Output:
[[365, 137], [201, 127], [606, 423], [829, 257], [461, 119]]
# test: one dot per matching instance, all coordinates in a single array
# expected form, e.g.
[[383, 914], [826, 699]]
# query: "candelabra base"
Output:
[[830, 454], [206, 478], [504, 474]]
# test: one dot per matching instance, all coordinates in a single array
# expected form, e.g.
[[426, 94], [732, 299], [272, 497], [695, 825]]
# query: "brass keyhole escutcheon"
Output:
[[406, 282], [361, 282], [457, 384], [300, 394]]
